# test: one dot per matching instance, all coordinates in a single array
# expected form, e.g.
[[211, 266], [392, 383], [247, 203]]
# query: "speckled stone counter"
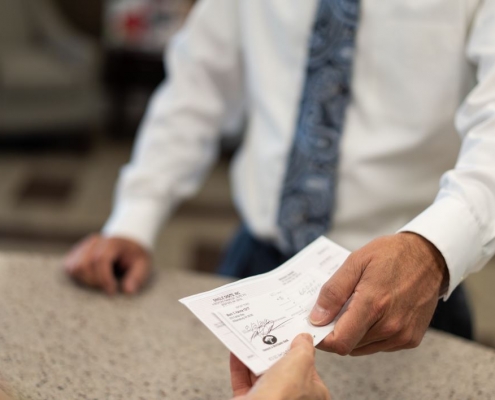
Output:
[[60, 341]]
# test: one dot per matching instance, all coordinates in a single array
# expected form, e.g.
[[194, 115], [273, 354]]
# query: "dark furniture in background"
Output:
[[130, 77]]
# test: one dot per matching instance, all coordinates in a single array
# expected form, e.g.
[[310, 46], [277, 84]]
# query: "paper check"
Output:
[[257, 318]]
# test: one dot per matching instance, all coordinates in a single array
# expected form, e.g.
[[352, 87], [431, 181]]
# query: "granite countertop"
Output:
[[60, 341]]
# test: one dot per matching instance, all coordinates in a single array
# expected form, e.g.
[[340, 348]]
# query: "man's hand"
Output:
[[92, 263], [294, 377], [395, 282]]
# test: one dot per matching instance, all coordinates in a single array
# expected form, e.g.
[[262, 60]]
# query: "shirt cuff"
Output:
[[451, 228], [136, 219]]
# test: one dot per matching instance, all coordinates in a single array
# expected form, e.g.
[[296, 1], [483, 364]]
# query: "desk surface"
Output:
[[59, 341]]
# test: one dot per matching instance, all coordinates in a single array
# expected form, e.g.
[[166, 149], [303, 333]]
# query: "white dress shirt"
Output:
[[422, 112]]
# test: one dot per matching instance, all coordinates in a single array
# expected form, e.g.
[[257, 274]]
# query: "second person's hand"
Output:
[[92, 261], [294, 377]]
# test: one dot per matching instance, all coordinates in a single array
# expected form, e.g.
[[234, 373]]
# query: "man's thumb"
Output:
[[335, 293]]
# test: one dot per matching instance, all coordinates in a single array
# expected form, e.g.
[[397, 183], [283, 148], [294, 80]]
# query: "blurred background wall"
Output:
[[86, 15], [58, 173]]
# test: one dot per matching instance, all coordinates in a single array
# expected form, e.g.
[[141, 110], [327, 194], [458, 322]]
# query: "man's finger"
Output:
[[351, 326], [103, 268], [75, 259], [403, 340], [82, 269], [240, 377], [379, 332], [335, 292], [78, 260], [136, 276], [399, 341], [372, 348]]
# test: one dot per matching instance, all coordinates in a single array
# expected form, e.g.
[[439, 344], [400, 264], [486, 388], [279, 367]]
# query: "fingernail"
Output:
[[303, 337], [318, 315], [306, 336]]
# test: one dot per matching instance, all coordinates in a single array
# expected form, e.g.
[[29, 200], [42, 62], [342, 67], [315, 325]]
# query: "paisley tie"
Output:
[[308, 193]]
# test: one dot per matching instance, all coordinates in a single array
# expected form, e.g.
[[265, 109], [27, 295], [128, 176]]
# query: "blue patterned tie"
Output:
[[308, 193]]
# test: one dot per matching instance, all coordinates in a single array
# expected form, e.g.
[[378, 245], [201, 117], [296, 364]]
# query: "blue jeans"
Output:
[[248, 256]]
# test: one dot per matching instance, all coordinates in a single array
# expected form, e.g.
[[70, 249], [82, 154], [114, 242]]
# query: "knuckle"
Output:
[[90, 240], [96, 258], [382, 303], [376, 310], [100, 259], [392, 328], [414, 341], [354, 262], [378, 306], [406, 339], [332, 294]]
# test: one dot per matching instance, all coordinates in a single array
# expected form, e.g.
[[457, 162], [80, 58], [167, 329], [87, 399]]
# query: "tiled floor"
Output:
[[49, 201]]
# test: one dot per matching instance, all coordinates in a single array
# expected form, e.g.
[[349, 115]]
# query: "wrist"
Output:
[[434, 259]]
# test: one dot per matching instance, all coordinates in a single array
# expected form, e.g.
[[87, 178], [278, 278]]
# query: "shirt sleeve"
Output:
[[178, 138], [461, 222]]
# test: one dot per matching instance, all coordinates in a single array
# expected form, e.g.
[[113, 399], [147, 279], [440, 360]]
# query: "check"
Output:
[[257, 318]]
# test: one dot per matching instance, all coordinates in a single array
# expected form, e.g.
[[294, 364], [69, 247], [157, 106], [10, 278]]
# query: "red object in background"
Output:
[[134, 25]]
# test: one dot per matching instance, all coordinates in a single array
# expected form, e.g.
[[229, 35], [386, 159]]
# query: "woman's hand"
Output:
[[294, 377]]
